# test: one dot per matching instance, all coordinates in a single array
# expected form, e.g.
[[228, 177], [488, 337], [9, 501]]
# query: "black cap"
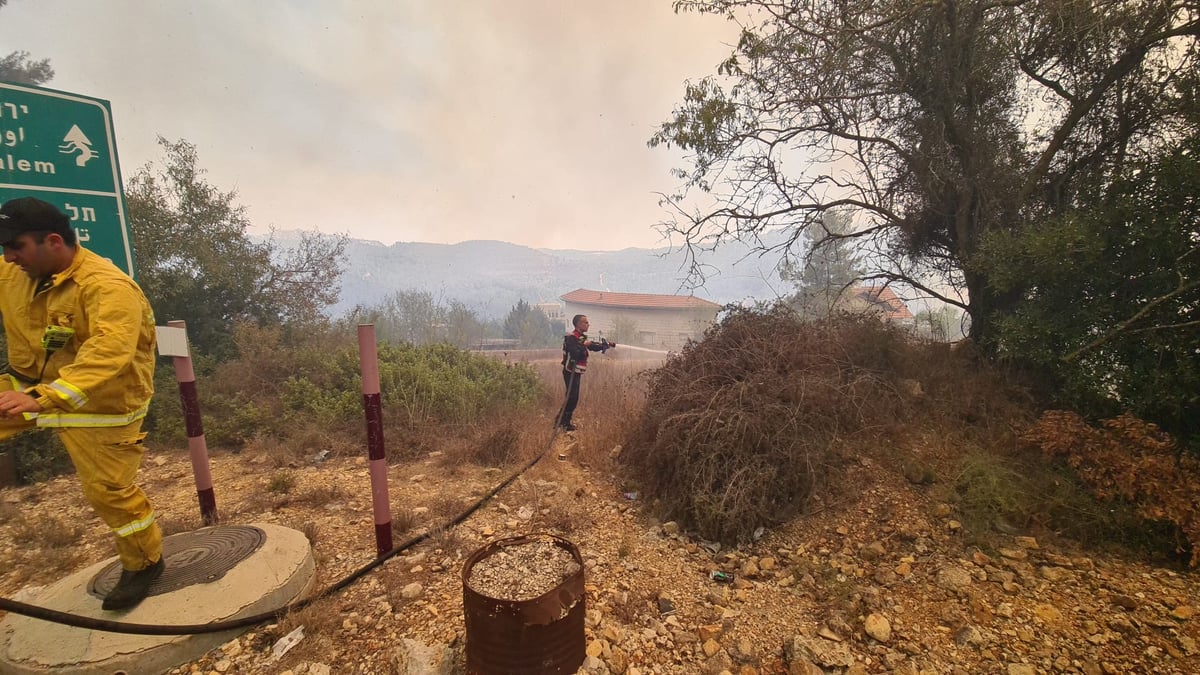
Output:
[[27, 214]]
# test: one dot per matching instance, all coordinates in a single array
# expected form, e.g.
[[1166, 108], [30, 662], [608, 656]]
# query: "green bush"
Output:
[[39, 455], [286, 383], [1107, 317], [443, 384]]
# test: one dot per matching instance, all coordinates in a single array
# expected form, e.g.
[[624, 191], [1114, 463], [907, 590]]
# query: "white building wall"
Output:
[[666, 329]]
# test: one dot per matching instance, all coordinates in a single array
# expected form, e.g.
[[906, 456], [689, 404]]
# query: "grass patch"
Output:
[[404, 521], [997, 494], [46, 532], [281, 483], [320, 495]]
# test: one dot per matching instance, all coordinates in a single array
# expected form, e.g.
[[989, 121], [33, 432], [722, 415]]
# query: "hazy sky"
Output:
[[396, 120]]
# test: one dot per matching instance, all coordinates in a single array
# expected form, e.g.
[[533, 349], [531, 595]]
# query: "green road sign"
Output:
[[60, 147]]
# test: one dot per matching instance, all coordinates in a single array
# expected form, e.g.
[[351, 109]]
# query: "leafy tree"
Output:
[[463, 327], [1111, 297], [530, 325], [197, 262], [19, 67], [625, 329], [943, 324], [936, 122], [829, 270], [416, 317], [404, 316]]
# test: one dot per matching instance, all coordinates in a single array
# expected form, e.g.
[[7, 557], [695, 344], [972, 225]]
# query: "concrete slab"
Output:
[[278, 570]]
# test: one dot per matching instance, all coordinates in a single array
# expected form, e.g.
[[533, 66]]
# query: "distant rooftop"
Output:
[[585, 296], [884, 298]]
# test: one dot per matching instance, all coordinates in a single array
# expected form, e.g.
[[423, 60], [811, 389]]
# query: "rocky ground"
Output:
[[882, 581]]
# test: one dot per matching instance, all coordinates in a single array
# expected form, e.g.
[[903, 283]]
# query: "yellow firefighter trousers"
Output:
[[107, 460]]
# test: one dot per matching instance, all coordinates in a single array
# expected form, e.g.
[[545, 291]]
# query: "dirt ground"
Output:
[[882, 580]]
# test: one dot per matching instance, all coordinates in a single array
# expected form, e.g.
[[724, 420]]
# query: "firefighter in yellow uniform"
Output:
[[81, 361]]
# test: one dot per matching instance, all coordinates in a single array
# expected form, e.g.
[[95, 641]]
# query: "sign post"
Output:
[[60, 147]]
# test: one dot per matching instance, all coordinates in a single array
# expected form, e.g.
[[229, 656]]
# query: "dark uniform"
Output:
[[576, 346]]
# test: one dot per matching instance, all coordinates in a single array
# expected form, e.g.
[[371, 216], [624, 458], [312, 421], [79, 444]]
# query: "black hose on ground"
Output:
[[107, 625]]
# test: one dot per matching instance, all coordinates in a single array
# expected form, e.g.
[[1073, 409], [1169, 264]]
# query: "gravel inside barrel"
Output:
[[522, 571]]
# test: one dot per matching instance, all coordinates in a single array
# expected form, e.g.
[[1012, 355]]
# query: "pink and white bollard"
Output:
[[368, 357]]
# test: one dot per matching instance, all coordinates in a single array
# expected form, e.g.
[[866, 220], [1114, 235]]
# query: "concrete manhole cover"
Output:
[[198, 557]]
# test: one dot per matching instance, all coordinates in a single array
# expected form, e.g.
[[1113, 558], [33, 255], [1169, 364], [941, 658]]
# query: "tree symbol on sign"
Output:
[[76, 141]]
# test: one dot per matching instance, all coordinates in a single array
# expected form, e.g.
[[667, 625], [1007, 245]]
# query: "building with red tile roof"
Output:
[[880, 299], [642, 319]]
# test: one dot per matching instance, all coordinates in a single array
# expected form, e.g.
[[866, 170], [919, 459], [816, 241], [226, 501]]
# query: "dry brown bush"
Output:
[[311, 531], [741, 429], [447, 539], [8, 512], [499, 443], [319, 495], [303, 444], [47, 532], [616, 391], [1131, 460], [322, 622], [404, 521], [177, 524]]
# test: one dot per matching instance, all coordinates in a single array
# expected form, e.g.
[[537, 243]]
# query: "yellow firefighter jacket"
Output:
[[103, 376]]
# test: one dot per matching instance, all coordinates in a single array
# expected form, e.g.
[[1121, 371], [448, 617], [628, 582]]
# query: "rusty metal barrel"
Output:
[[538, 636]]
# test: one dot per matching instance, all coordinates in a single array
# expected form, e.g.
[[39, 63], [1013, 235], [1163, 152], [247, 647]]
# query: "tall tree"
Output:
[[418, 318], [828, 270], [530, 325], [1111, 308], [197, 261], [937, 122], [463, 327], [18, 67]]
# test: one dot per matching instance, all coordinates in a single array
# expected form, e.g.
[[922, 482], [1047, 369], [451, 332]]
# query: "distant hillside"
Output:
[[491, 276]]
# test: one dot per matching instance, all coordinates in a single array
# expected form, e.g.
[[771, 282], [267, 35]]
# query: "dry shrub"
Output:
[[562, 520], [442, 507], [319, 495], [1127, 459], [500, 446], [8, 512], [282, 483], [177, 524], [404, 520], [47, 532], [615, 391], [1025, 491], [965, 396], [448, 539], [304, 443], [311, 532], [322, 622], [739, 429]]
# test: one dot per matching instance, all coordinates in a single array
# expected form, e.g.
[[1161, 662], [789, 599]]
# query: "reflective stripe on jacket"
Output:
[[575, 351], [104, 374]]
